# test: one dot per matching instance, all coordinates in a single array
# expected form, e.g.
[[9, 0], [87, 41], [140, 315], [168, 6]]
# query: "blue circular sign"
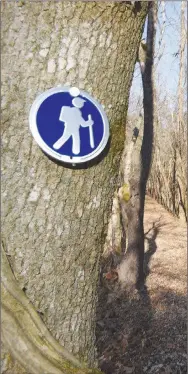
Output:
[[69, 125]]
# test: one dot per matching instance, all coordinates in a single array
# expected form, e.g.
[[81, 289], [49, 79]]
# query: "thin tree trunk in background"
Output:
[[181, 68], [174, 192], [172, 152], [131, 270], [54, 218], [148, 106], [180, 200]]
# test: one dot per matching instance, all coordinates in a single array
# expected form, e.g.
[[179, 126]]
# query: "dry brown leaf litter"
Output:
[[146, 333]]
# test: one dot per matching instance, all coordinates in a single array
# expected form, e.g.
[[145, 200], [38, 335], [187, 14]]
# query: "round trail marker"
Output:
[[69, 125]]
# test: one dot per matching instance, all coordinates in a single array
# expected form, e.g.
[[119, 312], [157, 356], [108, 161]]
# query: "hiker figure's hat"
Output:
[[78, 102]]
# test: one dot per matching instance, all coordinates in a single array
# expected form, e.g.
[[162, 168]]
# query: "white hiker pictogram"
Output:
[[72, 118], [76, 132]]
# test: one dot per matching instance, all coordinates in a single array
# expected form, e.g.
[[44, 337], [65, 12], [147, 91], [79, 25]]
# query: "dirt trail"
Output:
[[147, 332]]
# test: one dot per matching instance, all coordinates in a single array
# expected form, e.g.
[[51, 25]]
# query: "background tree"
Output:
[[167, 181], [131, 269], [55, 218]]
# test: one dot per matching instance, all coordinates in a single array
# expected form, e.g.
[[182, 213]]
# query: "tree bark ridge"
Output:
[[55, 218]]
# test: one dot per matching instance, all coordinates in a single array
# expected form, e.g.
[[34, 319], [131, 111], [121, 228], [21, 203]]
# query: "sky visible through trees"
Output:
[[166, 78]]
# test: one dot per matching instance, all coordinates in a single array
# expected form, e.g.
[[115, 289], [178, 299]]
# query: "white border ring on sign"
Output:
[[64, 158]]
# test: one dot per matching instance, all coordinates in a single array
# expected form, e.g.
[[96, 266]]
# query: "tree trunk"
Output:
[[183, 38], [131, 269], [55, 218]]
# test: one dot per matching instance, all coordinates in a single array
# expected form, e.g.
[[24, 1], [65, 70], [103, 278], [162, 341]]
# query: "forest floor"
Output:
[[146, 333]]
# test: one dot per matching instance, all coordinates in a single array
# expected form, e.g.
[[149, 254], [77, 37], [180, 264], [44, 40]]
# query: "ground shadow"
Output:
[[137, 336], [122, 324], [150, 236], [142, 332]]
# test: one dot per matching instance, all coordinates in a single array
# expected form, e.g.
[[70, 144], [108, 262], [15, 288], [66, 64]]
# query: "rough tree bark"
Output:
[[131, 269], [55, 218]]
